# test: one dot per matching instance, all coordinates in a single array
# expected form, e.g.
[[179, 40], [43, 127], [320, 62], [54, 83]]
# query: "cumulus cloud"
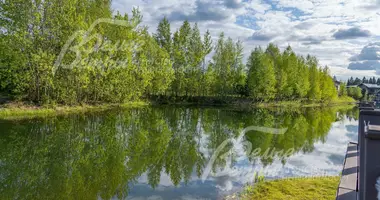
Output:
[[262, 36], [372, 5], [258, 6], [367, 59], [233, 4], [204, 11], [207, 10], [304, 25], [309, 40], [321, 28], [305, 39], [364, 65], [350, 33], [369, 52]]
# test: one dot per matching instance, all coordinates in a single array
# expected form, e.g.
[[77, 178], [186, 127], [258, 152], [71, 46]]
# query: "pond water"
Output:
[[168, 152]]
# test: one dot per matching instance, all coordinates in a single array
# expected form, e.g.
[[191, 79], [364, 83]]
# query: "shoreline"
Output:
[[300, 104], [20, 110], [23, 110], [247, 102]]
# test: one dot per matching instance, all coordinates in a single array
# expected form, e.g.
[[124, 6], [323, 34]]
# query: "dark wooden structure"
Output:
[[361, 170]]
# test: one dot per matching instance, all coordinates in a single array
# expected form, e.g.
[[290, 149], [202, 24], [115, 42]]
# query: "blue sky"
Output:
[[343, 34]]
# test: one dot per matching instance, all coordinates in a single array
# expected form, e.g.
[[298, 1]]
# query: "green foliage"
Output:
[[163, 35], [314, 79], [343, 89], [327, 86], [261, 78], [227, 66], [286, 76], [365, 96], [355, 92], [117, 63], [126, 63]]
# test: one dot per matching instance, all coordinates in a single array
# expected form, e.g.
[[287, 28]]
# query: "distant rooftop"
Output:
[[373, 86]]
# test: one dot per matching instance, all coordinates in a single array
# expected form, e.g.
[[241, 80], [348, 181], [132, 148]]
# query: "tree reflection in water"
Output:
[[103, 154]]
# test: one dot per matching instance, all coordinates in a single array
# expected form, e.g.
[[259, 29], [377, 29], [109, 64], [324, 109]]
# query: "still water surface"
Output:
[[163, 152]]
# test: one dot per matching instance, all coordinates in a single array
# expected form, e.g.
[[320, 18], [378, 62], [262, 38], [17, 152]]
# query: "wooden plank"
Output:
[[373, 132], [347, 189], [374, 128], [350, 169], [345, 194]]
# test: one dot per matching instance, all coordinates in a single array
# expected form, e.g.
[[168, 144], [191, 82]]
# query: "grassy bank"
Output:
[[22, 110], [304, 104], [292, 189]]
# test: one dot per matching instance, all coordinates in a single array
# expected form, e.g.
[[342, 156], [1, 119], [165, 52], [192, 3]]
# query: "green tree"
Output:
[[120, 63], [364, 80], [327, 86], [163, 35], [227, 65], [342, 89], [261, 79], [358, 93], [281, 77], [288, 69], [302, 79], [355, 92], [314, 79], [206, 82], [357, 81], [196, 57]]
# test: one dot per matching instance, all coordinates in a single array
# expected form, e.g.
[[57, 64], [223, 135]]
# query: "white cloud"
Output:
[[258, 6], [367, 59], [351, 33], [369, 52], [307, 25], [306, 6]]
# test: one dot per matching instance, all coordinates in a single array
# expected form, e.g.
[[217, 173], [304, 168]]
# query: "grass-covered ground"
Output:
[[299, 103], [21, 110], [319, 188]]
